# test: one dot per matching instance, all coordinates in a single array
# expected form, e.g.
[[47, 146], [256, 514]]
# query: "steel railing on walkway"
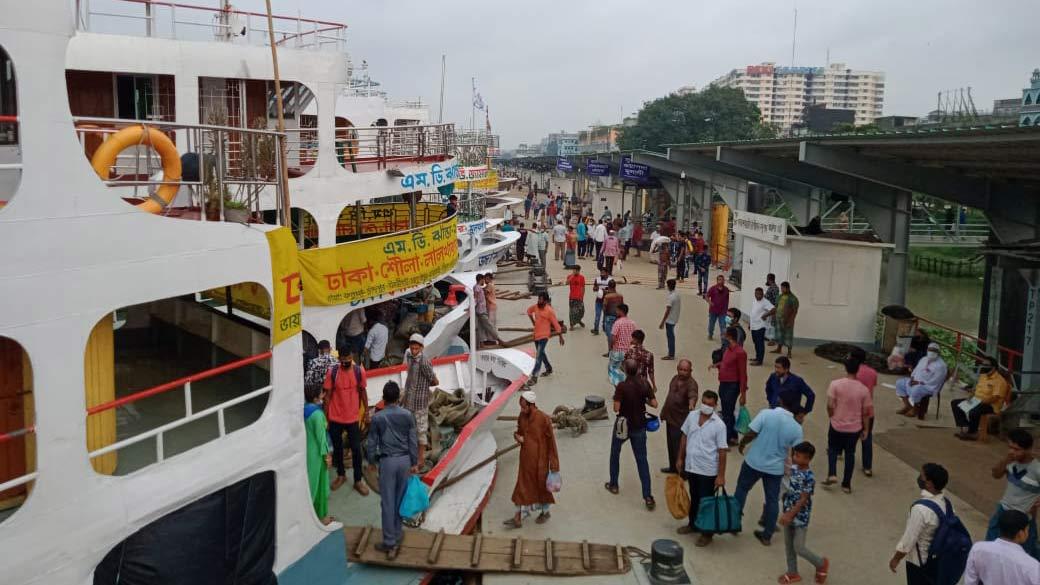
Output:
[[176, 20], [376, 147], [231, 167], [190, 414], [26, 477]]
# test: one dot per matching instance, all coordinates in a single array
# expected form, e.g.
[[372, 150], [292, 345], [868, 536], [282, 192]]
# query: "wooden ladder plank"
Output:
[[548, 555], [363, 541], [586, 559], [474, 558], [518, 551], [620, 554], [435, 549]]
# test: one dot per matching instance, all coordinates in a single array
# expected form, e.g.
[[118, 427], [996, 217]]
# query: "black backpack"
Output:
[[948, 554]]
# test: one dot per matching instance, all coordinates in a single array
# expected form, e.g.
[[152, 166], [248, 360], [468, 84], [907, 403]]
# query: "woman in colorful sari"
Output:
[[318, 457]]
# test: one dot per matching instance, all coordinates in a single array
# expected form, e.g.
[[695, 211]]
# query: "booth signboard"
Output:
[[564, 165], [761, 227], [597, 168]]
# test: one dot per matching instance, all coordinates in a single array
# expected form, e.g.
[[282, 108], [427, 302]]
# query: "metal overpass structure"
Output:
[[995, 170]]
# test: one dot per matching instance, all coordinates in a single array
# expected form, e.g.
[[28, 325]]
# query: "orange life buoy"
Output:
[[106, 154]]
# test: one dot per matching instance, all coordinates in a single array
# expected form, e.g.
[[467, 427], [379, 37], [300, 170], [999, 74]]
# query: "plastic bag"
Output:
[[416, 498], [677, 497], [743, 421], [553, 482]]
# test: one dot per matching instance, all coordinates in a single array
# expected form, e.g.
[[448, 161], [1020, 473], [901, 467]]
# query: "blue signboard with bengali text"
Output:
[[564, 164], [597, 168], [633, 171]]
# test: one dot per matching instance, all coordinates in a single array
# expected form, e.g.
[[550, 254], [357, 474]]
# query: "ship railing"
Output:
[[26, 477], [967, 351], [377, 147], [190, 414], [176, 20], [231, 168]]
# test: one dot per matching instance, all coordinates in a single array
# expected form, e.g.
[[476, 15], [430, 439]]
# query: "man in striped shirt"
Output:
[[417, 389]]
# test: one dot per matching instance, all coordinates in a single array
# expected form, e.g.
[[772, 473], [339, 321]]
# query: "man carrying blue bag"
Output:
[[702, 457], [393, 445], [772, 434]]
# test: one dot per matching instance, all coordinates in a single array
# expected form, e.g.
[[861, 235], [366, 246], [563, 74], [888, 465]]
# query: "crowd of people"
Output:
[[701, 428]]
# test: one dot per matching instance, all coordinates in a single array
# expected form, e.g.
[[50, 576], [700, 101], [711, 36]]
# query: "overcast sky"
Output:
[[546, 65]]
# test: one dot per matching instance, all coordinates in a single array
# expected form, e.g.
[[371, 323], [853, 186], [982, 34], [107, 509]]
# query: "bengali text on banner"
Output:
[[376, 266], [285, 273]]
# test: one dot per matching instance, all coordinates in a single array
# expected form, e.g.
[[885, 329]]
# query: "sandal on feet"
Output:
[[847, 489], [511, 523], [650, 503], [611, 488], [821, 573], [868, 472], [789, 578], [830, 480], [542, 518]]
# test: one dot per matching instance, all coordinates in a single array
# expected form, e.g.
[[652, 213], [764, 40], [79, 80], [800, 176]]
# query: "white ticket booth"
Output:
[[837, 281]]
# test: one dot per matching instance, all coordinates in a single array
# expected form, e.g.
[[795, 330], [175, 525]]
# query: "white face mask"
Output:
[[933, 354], [707, 410]]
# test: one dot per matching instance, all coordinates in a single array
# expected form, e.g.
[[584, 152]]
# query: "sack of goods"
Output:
[[677, 496]]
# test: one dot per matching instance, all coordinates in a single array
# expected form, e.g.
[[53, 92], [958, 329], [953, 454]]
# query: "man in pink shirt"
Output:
[[850, 409], [611, 250], [868, 377]]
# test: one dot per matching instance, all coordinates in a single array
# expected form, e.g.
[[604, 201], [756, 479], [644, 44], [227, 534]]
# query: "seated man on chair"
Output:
[[991, 391], [925, 381]]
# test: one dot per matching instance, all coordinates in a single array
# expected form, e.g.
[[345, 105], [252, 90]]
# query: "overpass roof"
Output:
[[1009, 154]]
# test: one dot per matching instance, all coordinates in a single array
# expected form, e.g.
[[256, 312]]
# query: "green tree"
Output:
[[714, 114]]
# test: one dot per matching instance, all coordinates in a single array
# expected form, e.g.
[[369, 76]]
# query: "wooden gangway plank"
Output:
[[490, 554]]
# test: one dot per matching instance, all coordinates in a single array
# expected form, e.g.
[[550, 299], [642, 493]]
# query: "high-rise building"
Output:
[[560, 144], [782, 94]]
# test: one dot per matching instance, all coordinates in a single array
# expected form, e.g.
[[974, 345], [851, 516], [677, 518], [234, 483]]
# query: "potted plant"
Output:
[[235, 210]]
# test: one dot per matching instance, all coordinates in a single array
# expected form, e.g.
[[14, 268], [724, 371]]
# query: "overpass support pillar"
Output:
[[1031, 334], [899, 259]]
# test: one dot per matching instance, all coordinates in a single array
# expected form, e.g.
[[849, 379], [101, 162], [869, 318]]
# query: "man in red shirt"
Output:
[[733, 382], [543, 317], [576, 282], [345, 385], [718, 305], [637, 237]]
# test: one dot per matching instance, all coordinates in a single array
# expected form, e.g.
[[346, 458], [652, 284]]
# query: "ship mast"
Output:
[[282, 153]]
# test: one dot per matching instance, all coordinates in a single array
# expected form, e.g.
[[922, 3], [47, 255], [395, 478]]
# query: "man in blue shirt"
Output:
[[782, 381], [773, 432], [393, 446]]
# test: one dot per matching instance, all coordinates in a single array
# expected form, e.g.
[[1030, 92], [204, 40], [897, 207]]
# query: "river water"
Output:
[[954, 302]]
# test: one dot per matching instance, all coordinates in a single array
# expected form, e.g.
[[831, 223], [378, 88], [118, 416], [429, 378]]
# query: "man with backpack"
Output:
[[935, 543], [345, 386]]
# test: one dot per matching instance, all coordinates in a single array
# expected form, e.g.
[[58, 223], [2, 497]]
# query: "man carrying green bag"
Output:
[[702, 460]]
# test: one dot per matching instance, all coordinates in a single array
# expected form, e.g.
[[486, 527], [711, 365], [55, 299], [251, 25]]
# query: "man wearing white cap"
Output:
[[417, 389], [538, 457], [926, 380]]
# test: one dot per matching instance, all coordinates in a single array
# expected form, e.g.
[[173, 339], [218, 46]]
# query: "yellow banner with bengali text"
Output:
[[285, 275], [248, 297], [490, 182], [355, 271]]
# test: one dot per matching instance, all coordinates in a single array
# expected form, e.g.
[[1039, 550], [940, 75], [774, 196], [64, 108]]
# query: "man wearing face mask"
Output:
[[991, 391], [345, 385], [921, 526], [926, 380], [681, 399], [702, 456]]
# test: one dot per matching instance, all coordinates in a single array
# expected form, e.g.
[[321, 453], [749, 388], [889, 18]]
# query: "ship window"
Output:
[[165, 377], [10, 152], [304, 226], [17, 427]]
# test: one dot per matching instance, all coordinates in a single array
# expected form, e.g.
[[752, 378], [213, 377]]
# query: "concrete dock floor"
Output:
[[856, 532]]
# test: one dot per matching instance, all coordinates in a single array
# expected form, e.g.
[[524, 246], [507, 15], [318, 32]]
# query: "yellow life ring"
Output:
[[105, 156]]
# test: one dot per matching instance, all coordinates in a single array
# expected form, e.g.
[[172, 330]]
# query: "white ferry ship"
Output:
[[148, 231]]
